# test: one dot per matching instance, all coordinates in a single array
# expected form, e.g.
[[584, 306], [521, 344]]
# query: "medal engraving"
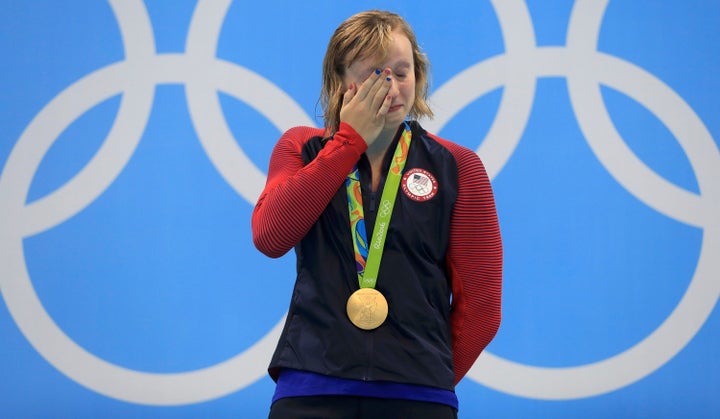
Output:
[[367, 308]]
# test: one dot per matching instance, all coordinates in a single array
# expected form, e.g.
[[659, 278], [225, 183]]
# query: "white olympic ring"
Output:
[[523, 62], [136, 77], [585, 69]]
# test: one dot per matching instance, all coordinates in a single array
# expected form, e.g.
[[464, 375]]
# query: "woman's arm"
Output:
[[296, 194], [475, 258]]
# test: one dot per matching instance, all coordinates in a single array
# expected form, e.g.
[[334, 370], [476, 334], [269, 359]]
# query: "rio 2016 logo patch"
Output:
[[419, 185]]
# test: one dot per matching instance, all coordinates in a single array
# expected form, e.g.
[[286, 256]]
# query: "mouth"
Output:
[[395, 108]]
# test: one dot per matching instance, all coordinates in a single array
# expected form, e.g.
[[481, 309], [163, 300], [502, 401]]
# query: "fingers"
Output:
[[365, 107], [370, 97], [368, 83], [385, 107], [380, 94], [374, 86]]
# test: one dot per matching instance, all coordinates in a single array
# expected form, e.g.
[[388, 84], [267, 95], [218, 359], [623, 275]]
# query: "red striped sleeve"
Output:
[[296, 194], [475, 258]]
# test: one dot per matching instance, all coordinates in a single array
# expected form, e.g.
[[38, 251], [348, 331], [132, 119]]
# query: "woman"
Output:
[[399, 255]]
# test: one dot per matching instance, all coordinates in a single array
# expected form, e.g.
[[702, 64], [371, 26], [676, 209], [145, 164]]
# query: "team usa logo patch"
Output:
[[419, 185]]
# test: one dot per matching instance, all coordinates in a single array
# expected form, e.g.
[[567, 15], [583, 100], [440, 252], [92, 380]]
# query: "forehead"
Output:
[[399, 54]]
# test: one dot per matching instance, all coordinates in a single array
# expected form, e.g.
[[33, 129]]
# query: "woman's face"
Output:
[[399, 61]]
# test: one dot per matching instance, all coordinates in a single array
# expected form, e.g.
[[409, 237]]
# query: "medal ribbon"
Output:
[[368, 255]]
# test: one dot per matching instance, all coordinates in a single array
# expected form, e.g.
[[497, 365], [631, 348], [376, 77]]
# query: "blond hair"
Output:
[[359, 37]]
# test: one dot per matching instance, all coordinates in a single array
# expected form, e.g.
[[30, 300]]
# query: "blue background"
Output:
[[159, 273]]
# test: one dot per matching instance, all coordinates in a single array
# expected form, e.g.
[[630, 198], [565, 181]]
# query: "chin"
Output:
[[397, 117]]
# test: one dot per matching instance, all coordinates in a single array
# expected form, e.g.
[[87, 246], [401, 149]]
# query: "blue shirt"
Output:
[[296, 383]]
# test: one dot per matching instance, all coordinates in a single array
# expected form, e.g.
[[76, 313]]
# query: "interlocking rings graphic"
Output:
[[585, 69], [385, 207], [135, 77], [204, 75]]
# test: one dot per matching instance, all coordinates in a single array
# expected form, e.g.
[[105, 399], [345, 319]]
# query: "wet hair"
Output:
[[362, 36]]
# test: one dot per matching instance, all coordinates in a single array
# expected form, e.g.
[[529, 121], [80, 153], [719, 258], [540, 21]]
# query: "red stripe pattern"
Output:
[[296, 194], [475, 258]]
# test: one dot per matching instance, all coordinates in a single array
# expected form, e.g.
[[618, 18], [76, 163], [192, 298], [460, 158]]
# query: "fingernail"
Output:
[[377, 71], [387, 78]]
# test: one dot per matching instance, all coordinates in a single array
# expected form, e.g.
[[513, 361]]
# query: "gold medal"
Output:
[[367, 308]]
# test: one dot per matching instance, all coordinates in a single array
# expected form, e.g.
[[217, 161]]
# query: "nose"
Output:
[[394, 90]]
